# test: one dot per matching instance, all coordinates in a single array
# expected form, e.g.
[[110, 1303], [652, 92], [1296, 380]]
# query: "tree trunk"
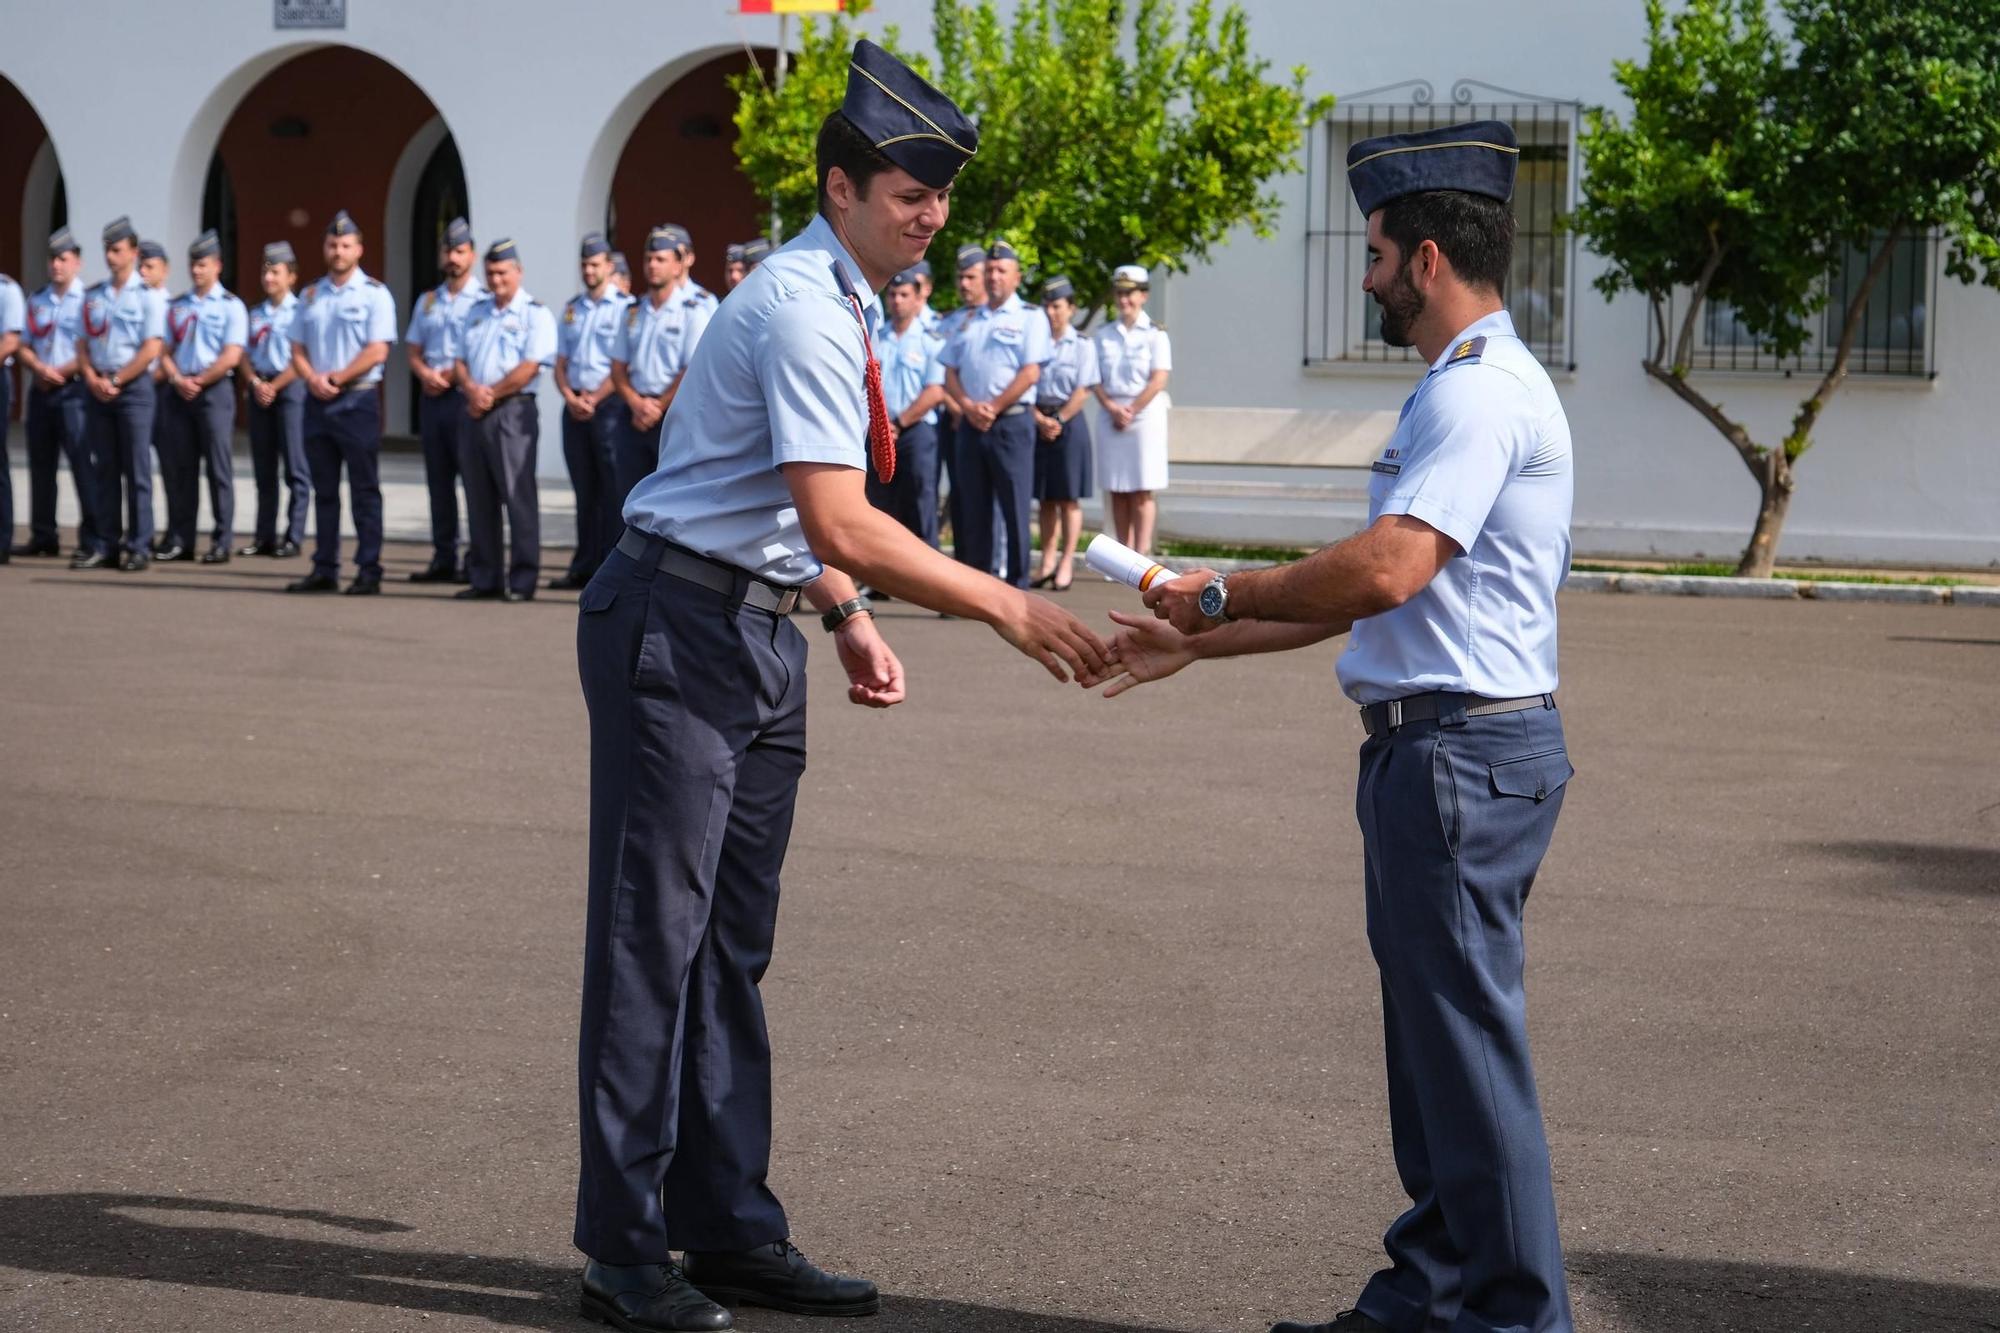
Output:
[[1774, 485]]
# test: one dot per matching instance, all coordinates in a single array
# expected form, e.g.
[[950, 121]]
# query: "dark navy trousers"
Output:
[[996, 469], [440, 423], [638, 454], [346, 433], [121, 444], [590, 450], [1455, 817], [57, 429], [6, 465], [911, 498], [697, 741], [193, 436], [496, 455], [278, 436]]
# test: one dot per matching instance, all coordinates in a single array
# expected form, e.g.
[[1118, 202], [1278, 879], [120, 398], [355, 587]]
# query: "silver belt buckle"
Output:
[[1393, 714]]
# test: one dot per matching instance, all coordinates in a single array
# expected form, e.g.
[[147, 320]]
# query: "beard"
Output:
[[1402, 306]]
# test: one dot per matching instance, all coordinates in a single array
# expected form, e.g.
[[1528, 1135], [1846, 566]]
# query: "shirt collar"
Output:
[[1499, 324], [1139, 325], [520, 298], [819, 233]]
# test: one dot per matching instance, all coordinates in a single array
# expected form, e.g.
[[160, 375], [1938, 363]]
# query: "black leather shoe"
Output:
[[133, 562], [569, 582], [1348, 1321], [364, 586], [5, 557], [476, 595], [257, 548], [513, 596], [34, 548], [172, 551], [287, 549], [161, 543], [778, 1277], [215, 555], [89, 560], [646, 1297], [436, 574], [314, 582]]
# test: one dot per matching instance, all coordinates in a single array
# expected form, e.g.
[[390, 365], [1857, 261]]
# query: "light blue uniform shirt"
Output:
[[55, 322], [13, 310], [778, 379], [338, 321], [909, 364], [495, 339], [437, 318], [656, 341], [271, 336], [588, 334], [199, 327], [1071, 366], [116, 319], [992, 346], [1482, 454]]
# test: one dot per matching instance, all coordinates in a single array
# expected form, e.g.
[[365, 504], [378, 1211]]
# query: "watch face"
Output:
[[1211, 602]]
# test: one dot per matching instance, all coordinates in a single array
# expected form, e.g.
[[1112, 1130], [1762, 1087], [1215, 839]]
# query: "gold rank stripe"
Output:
[[1426, 147], [940, 135]]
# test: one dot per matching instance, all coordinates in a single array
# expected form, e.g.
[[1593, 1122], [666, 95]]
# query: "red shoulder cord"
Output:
[[881, 440]]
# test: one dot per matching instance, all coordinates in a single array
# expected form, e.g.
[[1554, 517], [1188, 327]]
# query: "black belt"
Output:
[[1383, 718], [1013, 411], [1053, 406], [735, 584]]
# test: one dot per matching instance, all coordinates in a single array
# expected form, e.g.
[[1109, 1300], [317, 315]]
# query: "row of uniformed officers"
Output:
[[988, 398]]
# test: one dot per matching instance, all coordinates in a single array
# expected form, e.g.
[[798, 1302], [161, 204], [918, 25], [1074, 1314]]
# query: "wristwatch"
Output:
[[1215, 598], [837, 616]]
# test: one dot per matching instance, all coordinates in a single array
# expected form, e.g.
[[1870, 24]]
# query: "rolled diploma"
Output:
[[1113, 558]]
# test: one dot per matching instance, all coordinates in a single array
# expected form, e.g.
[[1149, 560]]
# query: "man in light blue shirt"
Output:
[[912, 388], [275, 406], [124, 323], [13, 323], [507, 341], [694, 675], [207, 328], [651, 353], [429, 343], [1451, 595], [593, 413], [340, 346], [991, 365], [56, 403]]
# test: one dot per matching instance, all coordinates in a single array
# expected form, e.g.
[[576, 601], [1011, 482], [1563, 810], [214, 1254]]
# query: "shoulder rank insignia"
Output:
[[569, 312], [1468, 350], [312, 291], [430, 301]]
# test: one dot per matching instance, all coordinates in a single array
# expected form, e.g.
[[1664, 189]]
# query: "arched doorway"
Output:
[[437, 196], [32, 199], [679, 165]]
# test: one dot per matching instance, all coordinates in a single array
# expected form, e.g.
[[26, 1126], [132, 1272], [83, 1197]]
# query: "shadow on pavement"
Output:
[[108, 1236], [1664, 1294], [1964, 872]]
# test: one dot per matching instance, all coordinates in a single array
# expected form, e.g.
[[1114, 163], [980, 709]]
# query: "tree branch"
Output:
[[1659, 305], [1746, 448], [1684, 349], [1850, 330]]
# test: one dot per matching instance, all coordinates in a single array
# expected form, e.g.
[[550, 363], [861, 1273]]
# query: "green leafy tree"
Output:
[[1753, 160], [1111, 131]]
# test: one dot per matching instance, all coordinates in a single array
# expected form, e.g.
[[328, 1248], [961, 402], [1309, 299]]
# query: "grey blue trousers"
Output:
[[197, 435], [1455, 817], [56, 430], [496, 455], [697, 741], [121, 442], [278, 436]]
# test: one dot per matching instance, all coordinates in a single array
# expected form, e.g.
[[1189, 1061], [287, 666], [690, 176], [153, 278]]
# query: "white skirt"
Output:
[[1133, 459]]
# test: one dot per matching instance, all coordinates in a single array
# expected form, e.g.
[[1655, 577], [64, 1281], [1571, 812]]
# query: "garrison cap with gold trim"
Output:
[[205, 245], [909, 122], [62, 243], [279, 252], [152, 250], [1477, 158], [593, 244], [673, 236], [119, 229], [457, 232], [342, 225], [755, 252], [503, 251]]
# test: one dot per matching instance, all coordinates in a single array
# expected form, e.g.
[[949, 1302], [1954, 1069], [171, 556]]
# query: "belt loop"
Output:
[[1452, 713]]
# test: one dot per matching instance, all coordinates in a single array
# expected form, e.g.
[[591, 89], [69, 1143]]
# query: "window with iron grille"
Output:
[[1343, 323], [1896, 335]]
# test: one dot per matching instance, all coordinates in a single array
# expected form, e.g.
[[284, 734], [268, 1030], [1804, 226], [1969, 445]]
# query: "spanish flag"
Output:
[[790, 6]]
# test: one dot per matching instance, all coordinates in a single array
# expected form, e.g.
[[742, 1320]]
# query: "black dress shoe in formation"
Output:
[[647, 1297], [287, 549], [36, 548], [161, 543], [364, 585], [89, 560], [570, 582], [1348, 1321], [314, 582], [436, 574], [133, 562], [778, 1277], [172, 551], [257, 548], [215, 555], [476, 595]]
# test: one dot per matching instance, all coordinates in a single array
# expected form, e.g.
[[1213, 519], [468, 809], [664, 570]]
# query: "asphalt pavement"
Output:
[[1075, 1023]]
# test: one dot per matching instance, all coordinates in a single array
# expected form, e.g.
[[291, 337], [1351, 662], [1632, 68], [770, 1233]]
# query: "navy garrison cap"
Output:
[[670, 236], [502, 251], [907, 278], [1475, 158], [732, 253], [62, 243], [756, 252], [1058, 289], [342, 225], [457, 232], [205, 245], [119, 229], [152, 250], [1002, 250], [620, 265], [922, 268], [968, 255], [909, 122], [593, 244], [280, 252]]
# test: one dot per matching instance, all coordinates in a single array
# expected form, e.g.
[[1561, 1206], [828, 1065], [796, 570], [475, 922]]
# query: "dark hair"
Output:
[[1473, 231], [842, 145]]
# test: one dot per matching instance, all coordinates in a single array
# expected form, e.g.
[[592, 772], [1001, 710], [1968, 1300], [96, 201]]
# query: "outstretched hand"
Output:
[[1057, 639], [1147, 649]]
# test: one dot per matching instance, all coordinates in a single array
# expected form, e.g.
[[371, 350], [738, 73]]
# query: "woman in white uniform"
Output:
[[1133, 358]]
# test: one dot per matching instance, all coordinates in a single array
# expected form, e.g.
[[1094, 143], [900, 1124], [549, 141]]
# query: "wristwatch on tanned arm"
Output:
[[1214, 601]]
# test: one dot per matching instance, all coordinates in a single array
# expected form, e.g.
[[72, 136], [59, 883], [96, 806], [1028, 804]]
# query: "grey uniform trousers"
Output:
[[496, 456]]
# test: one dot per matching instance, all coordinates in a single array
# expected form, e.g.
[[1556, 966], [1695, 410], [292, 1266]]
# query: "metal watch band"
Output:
[[837, 616]]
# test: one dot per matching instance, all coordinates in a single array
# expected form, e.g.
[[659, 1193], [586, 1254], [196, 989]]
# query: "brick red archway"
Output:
[[22, 136], [679, 165]]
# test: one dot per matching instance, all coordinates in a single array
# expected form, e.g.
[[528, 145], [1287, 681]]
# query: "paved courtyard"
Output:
[[1076, 1026]]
